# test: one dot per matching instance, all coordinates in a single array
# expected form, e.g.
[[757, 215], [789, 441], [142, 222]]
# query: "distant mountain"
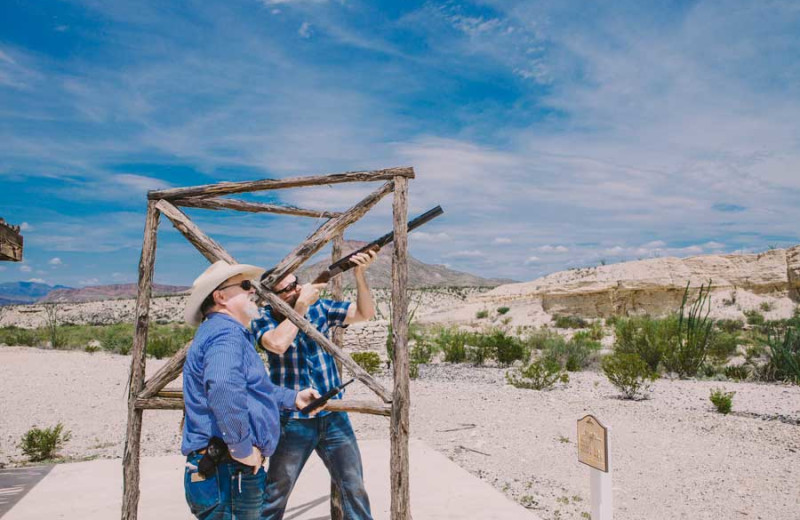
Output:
[[14, 293], [420, 274], [108, 292]]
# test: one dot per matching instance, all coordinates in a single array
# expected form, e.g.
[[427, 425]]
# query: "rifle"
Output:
[[346, 262]]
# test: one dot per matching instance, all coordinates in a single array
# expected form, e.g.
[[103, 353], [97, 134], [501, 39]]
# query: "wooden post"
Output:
[[399, 473], [133, 435], [337, 512], [252, 207]]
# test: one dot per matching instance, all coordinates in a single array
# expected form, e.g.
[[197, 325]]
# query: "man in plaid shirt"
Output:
[[296, 361]]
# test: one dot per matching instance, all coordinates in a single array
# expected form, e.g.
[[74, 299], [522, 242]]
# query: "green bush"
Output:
[[369, 361], [452, 343], [482, 314], [575, 354], [541, 340], [43, 444], [503, 310], [16, 336], [722, 400], [421, 352], [596, 331], [629, 374], [784, 355], [541, 374], [766, 306], [729, 326], [413, 370], [737, 372], [687, 352], [723, 345], [646, 337], [570, 322], [754, 318], [497, 345]]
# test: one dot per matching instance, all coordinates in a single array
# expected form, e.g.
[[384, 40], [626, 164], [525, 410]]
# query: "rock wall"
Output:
[[655, 286]]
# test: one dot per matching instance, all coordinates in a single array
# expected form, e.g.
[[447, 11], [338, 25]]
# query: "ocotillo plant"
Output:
[[689, 348]]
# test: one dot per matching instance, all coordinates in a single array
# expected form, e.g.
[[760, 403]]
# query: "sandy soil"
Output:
[[673, 457]]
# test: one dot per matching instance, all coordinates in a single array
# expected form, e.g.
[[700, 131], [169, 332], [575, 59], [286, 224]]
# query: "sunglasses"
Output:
[[244, 284], [290, 287]]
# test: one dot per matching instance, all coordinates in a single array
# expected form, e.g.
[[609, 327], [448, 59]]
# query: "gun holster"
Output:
[[216, 453]]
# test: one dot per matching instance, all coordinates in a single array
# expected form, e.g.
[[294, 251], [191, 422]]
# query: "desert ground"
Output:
[[672, 455]]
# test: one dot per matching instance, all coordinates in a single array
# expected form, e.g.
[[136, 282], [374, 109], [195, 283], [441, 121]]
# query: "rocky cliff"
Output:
[[655, 286]]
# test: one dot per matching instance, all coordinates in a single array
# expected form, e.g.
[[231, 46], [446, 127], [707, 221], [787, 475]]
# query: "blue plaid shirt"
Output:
[[305, 364]]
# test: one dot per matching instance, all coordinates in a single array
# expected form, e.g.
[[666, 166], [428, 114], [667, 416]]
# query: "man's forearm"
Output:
[[278, 339], [365, 305]]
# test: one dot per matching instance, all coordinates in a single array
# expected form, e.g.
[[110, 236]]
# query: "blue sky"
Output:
[[555, 133]]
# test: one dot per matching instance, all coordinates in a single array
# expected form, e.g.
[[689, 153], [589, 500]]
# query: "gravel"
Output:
[[672, 455]]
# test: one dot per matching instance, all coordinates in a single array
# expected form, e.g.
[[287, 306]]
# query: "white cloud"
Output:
[[531, 260], [422, 236], [25, 268], [502, 240], [90, 281], [553, 249], [305, 30], [713, 245], [25, 227], [656, 244], [55, 261], [468, 253], [37, 280]]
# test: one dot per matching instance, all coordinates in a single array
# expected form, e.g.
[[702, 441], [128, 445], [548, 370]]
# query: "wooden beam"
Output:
[[11, 243], [335, 405], [324, 234], [207, 246], [399, 464], [133, 435], [166, 374], [337, 336], [228, 188], [359, 373], [252, 207]]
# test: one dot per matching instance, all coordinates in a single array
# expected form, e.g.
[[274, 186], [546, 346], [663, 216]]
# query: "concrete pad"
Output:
[[440, 490]]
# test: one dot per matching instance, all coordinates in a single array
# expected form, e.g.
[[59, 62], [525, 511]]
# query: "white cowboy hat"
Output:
[[207, 282]]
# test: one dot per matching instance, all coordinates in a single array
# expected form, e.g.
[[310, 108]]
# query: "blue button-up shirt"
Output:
[[305, 363], [227, 393]]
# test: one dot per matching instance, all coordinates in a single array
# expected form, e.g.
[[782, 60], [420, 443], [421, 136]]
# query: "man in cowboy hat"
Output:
[[231, 406], [296, 361]]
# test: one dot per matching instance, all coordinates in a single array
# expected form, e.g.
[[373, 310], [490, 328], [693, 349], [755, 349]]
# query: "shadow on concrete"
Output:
[[16, 482]]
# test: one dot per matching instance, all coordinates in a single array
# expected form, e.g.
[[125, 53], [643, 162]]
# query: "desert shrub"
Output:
[[540, 339], [421, 352], [570, 322], [784, 355], [729, 326], [497, 345], [646, 337], [452, 342], [596, 332], [737, 372], [164, 341], [541, 374], [766, 306], [754, 318], [687, 352], [482, 314], [43, 444], [91, 349], [723, 345], [611, 321], [629, 373], [52, 321], [722, 400], [17, 336], [117, 338], [503, 310], [573, 355], [413, 370], [369, 361]]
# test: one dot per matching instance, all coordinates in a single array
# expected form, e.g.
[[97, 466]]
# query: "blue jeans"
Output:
[[232, 493], [332, 437]]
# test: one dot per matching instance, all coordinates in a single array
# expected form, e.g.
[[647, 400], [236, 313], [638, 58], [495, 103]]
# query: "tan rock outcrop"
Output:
[[656, 285]]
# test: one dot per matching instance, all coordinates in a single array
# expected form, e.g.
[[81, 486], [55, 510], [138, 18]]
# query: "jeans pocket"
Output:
[[201, 495]]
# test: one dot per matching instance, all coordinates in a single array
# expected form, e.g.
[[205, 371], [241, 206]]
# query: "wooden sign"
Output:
[[593, 443]]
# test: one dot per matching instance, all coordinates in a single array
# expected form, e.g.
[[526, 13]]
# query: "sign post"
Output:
[[593, 450]]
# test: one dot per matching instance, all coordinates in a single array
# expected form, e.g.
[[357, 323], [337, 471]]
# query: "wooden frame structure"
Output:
[[151, 394], [10, 242]]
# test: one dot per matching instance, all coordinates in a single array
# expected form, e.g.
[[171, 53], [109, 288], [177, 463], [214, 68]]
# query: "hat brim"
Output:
[[209, 283]]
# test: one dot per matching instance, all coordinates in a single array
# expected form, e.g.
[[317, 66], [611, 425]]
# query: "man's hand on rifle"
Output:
[[309, 294], [364, 260], [305, 397]]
